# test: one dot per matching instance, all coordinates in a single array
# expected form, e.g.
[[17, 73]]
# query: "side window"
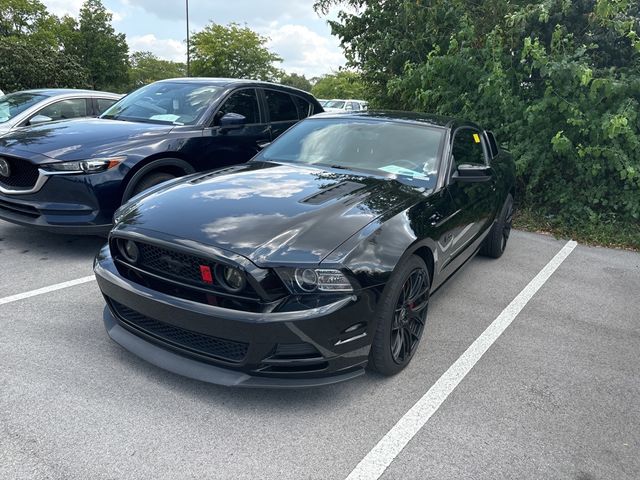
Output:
[[104, 104], [467, 147], [304, 107], [64, 109], [244, 102], [281, 106], [493, 145], [355, 106]]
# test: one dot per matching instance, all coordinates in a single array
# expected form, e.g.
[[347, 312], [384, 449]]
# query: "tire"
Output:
[[151, 180], [496, 242], [394, 322]]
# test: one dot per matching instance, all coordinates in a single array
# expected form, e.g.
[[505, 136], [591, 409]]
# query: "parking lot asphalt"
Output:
[[556, 396]]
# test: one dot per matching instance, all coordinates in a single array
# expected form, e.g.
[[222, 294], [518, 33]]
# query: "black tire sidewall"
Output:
[[380, 358], [151, 180]]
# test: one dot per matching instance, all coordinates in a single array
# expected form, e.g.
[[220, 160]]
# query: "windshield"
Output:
[[167, 103], [335, 104], [15, 103], [380, 147]]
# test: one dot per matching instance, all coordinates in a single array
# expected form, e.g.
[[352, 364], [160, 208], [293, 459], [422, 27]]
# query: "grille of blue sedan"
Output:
[[207, 345], [23, 174]]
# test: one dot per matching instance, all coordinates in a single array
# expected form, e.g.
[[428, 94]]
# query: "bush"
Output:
[[558, 81]]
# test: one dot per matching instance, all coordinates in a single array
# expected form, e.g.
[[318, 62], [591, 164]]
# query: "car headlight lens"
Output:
[[85, 166], [310, 280]]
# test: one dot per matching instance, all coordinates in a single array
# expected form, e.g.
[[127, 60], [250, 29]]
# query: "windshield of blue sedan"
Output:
[[166, 103], [15, 103], [382, 147]]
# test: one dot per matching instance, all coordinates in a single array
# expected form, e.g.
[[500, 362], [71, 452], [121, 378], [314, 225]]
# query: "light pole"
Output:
[[188, 44]]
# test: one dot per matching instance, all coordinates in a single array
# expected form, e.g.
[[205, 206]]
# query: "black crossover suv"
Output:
[[314, 259], [71, 176]]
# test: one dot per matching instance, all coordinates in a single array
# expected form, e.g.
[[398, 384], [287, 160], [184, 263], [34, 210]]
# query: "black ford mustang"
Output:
[[313, 260]]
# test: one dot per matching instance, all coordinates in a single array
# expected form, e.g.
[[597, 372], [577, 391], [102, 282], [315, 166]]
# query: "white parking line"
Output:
[[50, 288], [380, 457]]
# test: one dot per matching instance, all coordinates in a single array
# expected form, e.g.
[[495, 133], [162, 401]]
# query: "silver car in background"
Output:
[[32, 107]]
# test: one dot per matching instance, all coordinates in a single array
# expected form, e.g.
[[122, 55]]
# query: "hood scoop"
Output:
[[216, 173], [336, 191]]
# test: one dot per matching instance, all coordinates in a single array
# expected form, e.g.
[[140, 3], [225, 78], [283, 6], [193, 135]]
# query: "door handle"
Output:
[[262, 145]]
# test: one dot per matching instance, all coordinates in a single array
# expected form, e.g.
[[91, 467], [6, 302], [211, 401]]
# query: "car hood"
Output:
[[270, 213], [77, 139]]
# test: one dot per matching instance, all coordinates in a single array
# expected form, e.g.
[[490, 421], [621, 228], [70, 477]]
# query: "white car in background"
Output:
[[338, 105], [33, 107]]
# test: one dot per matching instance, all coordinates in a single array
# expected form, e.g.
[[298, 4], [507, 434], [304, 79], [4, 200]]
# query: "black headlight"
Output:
[[309, 280]]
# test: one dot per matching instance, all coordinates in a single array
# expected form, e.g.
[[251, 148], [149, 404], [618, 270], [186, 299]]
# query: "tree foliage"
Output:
[[147, 68], [558, 80], [24, 65], [232, 51], [296, 81], [343, 84], [30, 53], [102, 51]]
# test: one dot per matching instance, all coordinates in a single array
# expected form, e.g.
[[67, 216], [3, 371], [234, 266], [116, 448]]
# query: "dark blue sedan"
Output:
[[71, 176]]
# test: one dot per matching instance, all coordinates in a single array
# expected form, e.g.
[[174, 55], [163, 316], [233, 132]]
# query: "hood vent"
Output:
[[336, 191], [214, 174]]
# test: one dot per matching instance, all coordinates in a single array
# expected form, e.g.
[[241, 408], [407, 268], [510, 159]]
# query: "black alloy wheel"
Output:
[[401, 317], [409, 316]]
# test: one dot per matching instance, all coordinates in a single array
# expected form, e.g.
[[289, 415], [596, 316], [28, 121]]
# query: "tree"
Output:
[[296, 81], [558, 81], [232, 51], [30, 53], [25, 65], [343, 84], [21, 17], [147, 68], [102, 51]]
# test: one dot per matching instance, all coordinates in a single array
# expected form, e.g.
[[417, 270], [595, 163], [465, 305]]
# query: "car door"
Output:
[[64, 109], [229, 146], [474, 201], [282, 111]]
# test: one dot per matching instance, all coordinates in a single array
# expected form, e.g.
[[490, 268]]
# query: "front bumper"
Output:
[[72, 204], [337, 358]]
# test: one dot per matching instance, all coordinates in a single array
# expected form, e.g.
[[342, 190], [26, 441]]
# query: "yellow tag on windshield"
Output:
[[476, 138]]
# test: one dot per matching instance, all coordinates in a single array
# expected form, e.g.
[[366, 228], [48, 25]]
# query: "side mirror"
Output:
[[231, 121], [472, 173], [38, 119]]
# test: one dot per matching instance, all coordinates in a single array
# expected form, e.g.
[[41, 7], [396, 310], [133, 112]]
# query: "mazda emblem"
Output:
[[5, 170]]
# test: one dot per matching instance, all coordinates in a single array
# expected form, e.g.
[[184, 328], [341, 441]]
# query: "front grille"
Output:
[[171, 263], [23, 174], [218, 348]]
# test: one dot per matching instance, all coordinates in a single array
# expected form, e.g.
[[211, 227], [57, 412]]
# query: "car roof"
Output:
[[228, 82], [52, 92], [410, 117]]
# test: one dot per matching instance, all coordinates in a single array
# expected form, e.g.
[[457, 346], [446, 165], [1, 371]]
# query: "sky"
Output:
[[301, 37]]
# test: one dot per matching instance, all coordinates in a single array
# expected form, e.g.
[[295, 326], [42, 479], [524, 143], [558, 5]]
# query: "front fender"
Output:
[[374, 253]]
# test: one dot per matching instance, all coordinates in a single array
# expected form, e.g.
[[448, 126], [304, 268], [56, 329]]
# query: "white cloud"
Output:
[[72, 8], [64, 7], [166, 48], [303, 50]]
